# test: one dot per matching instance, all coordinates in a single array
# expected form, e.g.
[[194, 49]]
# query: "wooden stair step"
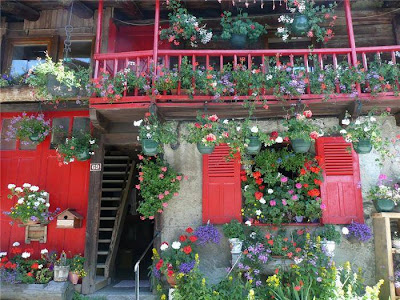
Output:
[[105, 229], [110, 198], [113, 181], [107, 218], [116, 165], [111, 190], [101, 266], [104, 240], [109, 208], [113, 173], [116, 157], [102, 252]]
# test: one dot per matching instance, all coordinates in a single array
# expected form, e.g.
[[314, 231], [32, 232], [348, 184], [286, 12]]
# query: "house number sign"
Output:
[[95, 167]]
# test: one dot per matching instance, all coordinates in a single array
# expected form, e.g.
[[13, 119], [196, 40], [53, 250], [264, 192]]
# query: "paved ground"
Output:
[[121, 293]]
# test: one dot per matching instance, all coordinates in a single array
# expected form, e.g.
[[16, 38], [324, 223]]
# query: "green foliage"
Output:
[[76, 265], [234, 229], [23, 127], [302, 127], [329, 233], [241, 25], [207, 130], [80, 142], [166, 80], [7, 80], [158, 184]]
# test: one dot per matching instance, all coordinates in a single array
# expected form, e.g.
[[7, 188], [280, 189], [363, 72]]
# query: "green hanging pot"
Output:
[[34, 137], [300, 145], [203, 149], [300, 25], [362, 146], [238, 41], [254, 145], [84, 155], [150, 147], [384, 205]]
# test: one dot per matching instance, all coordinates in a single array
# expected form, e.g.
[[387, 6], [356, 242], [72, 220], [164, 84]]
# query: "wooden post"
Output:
[[93, 217], [155, 40]]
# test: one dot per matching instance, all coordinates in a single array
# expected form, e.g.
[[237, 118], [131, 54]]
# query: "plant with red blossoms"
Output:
[[206, 130], [301, 126]]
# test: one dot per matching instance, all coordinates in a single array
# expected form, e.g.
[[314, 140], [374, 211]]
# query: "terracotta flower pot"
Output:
[[73, 277], [171, 280]]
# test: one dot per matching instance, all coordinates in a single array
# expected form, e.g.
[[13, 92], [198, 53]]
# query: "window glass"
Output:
[[59, 132], [5, 142], [81, 124], [25, 57]]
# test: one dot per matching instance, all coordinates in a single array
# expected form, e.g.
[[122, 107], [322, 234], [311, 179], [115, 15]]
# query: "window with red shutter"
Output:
[[222, 198], [340, 191]]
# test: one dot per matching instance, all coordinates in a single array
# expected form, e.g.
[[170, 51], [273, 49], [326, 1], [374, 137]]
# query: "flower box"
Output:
[[17, 93]]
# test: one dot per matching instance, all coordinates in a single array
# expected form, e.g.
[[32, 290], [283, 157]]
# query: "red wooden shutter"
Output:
[[222, 198], [340, 191]]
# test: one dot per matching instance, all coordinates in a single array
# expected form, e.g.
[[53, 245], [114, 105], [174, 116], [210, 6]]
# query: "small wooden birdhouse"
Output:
[[69, 218]]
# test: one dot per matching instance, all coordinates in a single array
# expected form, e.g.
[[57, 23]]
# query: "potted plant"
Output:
[[166, 80], [184, 27], [79, 146], [29, 128], [235, 233], [240, 29], [158, 183], [153, 134], [302, 131], [58, 80], [307, 21], [396, 240], [365, 134], [76, 270], [61, 268], [32, 205], [298, 209], [385, 194], [205, 133], [330, 237], [357, 232]]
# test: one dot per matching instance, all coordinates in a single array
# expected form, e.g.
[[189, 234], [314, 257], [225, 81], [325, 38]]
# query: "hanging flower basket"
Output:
[[83, 156], [239, 41], [362, 146], [150, 147], [300, 25], [254, 146], [384, 205], [301, 146], [34, 137], [203, 149], [59, 89]]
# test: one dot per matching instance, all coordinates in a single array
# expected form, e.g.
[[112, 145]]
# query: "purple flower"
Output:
[[156, 273], [207, 234], [187, 267], [361, 231]]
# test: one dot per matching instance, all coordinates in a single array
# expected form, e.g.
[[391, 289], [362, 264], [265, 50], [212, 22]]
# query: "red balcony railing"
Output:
[[141, 62]]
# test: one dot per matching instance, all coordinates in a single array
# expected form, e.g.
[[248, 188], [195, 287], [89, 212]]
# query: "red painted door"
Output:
[[341, 190], [67, 185], [222, 198]]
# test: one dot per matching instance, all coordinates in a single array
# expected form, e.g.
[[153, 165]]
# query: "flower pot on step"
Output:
[[362, 146], [61, 273], [300, 145], [73, 277], [236, 245], [299, 219], [150, 147]]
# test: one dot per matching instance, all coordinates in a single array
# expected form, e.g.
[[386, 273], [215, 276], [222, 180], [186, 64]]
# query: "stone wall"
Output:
[[186, 209]]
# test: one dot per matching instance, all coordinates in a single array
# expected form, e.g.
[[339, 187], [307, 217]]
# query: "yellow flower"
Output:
[[180, 275], [203, 281], [230, 278], [273, 281], [159, 287], [163, 297]]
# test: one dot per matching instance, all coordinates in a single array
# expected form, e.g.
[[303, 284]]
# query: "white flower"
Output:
[[41, 200], [92, 142], [18, 190], [148, 127], [343, 131], [36, 203], [372, 119], [47, 204], [11, 186], [269, 77], [248, 223], [26, 185], [367, 129], [44, 194], [280, 30], [72, 159], [3, 254], [253, 235], [279, 140], [246, 187], [285, 37], [44, 251], [16, 244], [34, 188], [176, 245], [214, 84], [25, 255], [226, 121], [345, 231], [262, 200], [254, 129], [164, 246], [357, 122], [270, 191], [238, 128], [31, 196], [148, 135], [20, 200], [297, 260], [40, 266], [346, 121], [258, 212], [137, 123]]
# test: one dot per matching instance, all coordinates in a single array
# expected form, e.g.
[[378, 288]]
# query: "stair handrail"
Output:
[[136, 268]]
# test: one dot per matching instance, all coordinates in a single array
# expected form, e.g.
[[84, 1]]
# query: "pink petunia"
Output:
[[322, 206], [164, 169], [298, 185], [284, 202], [166, 193], [151, 217], [161, 196], [284, 179], [140, 157], [295, 197], [161, 176], [272, 202], [179, 177], [140, 178], [290, 192], [137, 186], [165, 204]]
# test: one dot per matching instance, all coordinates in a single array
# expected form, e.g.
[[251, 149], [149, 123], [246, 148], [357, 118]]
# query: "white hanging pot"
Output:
[[236, 245], [396, 244], [329, 247]]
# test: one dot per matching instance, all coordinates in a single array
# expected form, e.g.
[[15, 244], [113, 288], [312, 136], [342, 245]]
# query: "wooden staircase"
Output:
[[117, 179]]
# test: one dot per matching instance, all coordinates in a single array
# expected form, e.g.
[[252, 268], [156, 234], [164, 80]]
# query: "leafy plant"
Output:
[[76, 265], [158, 183], [240, 25], [25, 127], [385, 189], [206, 131], [79, 143], [233, 229], [166, 80], [329, 233], [10, 80], [302, 127]]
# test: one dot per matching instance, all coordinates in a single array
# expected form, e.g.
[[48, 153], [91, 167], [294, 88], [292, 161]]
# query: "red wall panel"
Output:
[[67, 185]]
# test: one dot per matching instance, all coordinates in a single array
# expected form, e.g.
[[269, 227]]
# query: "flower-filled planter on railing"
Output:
[[79, 146], [240, 30], [158, 183], [32, 207], [29, 128], [302, 131], [307, 21], [385, 195], [153, 134], [53, 81]]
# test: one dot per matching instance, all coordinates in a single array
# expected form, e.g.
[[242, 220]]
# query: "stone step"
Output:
[[111, 190], [107, 218], [113, 181], [113, 173], [117, 157]]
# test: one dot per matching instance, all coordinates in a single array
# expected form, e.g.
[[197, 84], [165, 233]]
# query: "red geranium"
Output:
[[4, 259], [259, 181], [313, 193], [193, 238], [183, 238], [16, 250], [187, 249], [35, 266], [159, 264], [189, 230], [317, 181], [170, 273], [258, 195], [256, 175], [30, 274]]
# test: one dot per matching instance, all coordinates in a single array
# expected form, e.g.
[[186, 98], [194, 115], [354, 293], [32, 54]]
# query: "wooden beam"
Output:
[[98, 120], [18, 9], [396, 28], [121, 139], [79, 9], [36, 106], [397, 117], [354, 109], [93, 217]]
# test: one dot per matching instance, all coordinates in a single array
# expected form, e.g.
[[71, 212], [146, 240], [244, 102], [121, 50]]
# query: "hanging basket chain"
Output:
[[68, 31]]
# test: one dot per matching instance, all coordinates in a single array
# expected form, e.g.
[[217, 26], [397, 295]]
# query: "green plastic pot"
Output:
[[238, 41], [34, 137], [384, 205], [82, 156], [254, 145], [150, 147], [203, 149], [300, 25], [362, 146], [300, 145]]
